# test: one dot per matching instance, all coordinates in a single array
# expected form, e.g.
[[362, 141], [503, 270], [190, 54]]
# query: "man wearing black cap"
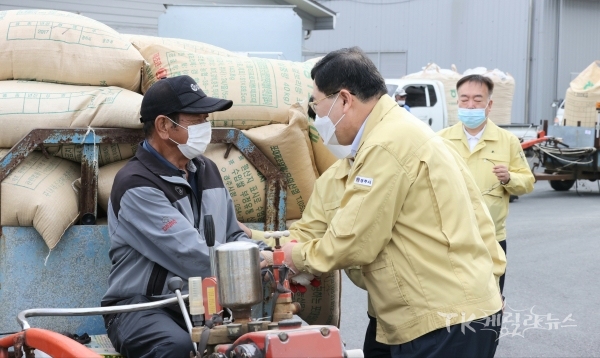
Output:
[[155, 218]]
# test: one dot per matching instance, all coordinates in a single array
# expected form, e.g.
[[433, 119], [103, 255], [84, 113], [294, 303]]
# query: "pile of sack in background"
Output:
[[582, 96], [448, 77], [62, 70], [504, 89]]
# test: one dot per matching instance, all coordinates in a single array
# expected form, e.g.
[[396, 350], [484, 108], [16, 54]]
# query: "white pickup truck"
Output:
[[425, 98]]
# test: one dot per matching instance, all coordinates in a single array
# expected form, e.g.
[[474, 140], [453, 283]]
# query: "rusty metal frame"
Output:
[[276, 184], [276, 189]]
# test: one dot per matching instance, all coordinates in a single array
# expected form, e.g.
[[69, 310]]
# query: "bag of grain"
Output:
[[244, 182], [320, 305], [63, 47], [107, 153], [289, 148], [38, 193], [504, 89], [26, 105], [141, 41], [106, 178], [582, 95], [262, 90], [448, 77]]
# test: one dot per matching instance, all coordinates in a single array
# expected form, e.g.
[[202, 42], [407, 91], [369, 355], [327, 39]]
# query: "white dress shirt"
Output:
[[473, 139]]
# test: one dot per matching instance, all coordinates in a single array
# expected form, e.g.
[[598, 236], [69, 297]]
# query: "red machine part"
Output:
[[307, 341], [51, 343], [541, 137]]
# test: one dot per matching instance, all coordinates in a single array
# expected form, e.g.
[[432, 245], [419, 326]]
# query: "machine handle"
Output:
[[209, 230], [175, 283]]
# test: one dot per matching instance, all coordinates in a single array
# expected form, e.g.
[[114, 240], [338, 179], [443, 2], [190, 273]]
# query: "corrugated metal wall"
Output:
[[125, 16], [566, 41], [544, 61], [579, 39], [467, 33]]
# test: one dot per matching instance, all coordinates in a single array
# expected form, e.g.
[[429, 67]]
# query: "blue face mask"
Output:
[[472, 118]]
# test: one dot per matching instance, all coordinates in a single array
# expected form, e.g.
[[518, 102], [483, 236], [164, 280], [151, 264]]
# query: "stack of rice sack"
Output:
[[448, 77], [269, 104], [582, 96], [60, 70], [504, 90]]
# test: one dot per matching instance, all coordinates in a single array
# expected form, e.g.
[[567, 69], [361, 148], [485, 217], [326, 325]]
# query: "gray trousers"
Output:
[[159, 332]]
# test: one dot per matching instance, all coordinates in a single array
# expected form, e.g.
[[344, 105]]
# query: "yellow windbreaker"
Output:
[[496, 146], [409, 216], [324, 203]]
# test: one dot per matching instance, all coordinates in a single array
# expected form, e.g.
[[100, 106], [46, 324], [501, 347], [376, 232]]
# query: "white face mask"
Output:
[[326, 128], [198, 138], [401, 102], [340, 151]]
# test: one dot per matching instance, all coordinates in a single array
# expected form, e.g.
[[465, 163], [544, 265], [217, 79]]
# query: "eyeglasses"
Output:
[[497, 184], [313, 104], [486, 192]]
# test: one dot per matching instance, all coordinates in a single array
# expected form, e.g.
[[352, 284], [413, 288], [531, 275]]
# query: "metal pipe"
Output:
[[528, 64], [91, 311], [557, 48], [186, 316], [213, 264]]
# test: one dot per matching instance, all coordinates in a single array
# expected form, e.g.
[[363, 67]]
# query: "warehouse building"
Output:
[[543, 44]]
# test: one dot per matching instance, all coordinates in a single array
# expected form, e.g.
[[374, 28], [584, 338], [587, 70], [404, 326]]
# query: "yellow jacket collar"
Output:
[[491, 131], [383, 106]]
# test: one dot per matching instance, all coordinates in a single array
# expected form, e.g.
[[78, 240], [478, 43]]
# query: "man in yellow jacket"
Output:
[[408, 217], [318, 214], [494, 155], [322, 207]]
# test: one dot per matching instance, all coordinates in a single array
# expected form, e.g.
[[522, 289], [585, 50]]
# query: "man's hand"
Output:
[[267, 258], [287, 251], [245, 229], [502, 173]]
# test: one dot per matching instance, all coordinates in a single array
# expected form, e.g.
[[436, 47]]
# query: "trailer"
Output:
[[24, 271], [565, 154]]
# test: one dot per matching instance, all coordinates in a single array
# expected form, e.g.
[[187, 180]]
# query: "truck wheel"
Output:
[[562, 185]]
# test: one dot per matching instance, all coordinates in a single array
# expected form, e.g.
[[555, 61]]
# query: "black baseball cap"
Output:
[[179, 94]]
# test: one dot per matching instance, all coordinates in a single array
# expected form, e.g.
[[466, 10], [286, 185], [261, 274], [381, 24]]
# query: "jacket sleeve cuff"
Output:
[[298, 257], [258, 235], [512, 183]]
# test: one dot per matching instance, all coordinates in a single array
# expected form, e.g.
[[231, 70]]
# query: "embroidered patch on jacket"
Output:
[[168, 223], [363, 181]]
